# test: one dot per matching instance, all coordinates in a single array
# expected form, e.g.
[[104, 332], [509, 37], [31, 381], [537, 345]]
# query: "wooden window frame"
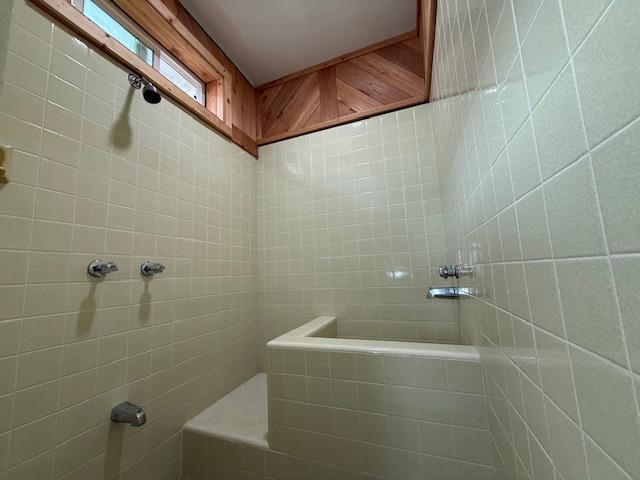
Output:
[[216, 111], [159, 52], [127, 23]]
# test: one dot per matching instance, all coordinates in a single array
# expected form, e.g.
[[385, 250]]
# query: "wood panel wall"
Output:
[[380, 78], [427, 31]]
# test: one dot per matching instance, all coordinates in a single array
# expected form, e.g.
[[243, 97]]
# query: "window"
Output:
[[109, 24], [107, 16], [180, 76]]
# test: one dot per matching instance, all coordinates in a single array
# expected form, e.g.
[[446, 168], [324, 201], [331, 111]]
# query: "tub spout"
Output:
[[127, 412]]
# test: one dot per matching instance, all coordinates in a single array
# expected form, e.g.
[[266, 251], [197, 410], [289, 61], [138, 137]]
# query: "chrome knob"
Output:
[[457, 271], [149, 269], [100, 268], [447, 271]]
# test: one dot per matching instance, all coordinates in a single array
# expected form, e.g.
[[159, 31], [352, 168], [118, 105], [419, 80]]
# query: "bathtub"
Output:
[[322, 334], [344, 408]]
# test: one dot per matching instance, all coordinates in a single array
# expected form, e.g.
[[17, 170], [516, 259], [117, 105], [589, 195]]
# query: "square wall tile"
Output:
[[532, 224], [604, 387], [555, 372], [544, 298], [558, 126], [464, 376], [589, 306], [567, 447], [610, 47], [617, 178], [544, 52], [573, 210], [601, 465], [580, 16], [523, 160], [624, 272]]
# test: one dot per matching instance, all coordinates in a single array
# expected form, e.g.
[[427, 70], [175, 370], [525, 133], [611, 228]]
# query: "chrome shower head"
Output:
[[149, 91], [151, 94]]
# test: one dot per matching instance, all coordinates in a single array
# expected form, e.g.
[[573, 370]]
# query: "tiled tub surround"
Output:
[[539, 158], [350, 224], [391, 410], [348, 409], [98, 173]]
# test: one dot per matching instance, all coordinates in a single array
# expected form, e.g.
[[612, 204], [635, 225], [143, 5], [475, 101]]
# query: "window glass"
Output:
[[98, 11], [117, 31], [180, 77]]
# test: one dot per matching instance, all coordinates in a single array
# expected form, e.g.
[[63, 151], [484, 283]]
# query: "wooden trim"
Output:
[[183, 16], [63, 11], [340, 59], [344, 119], [227, 92], [328, 93], [427, 28], [188, 36], [245, 141], [214, 99], [194, 57]]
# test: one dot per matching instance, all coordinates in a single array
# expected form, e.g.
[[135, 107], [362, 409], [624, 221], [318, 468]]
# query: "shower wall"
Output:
[[538, 142], [5, 17], [98, 173], [350, 225]]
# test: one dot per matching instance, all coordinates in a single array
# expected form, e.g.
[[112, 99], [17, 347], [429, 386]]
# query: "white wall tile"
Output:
[[570, 231], [94, 191]]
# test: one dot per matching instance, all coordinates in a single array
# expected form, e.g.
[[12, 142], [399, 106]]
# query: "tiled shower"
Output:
[[525, 165], [350, 224]]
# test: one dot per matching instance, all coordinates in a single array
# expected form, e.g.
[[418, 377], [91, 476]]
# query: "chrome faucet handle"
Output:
[[149, 269], [127, 412], [446, 271], [457, 271], [100, 268]]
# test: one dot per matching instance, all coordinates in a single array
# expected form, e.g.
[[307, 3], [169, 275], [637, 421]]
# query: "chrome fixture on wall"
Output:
[[100, 268], [149, 91], [127, 412], [449, 292], [149, 269], [457, 271]]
